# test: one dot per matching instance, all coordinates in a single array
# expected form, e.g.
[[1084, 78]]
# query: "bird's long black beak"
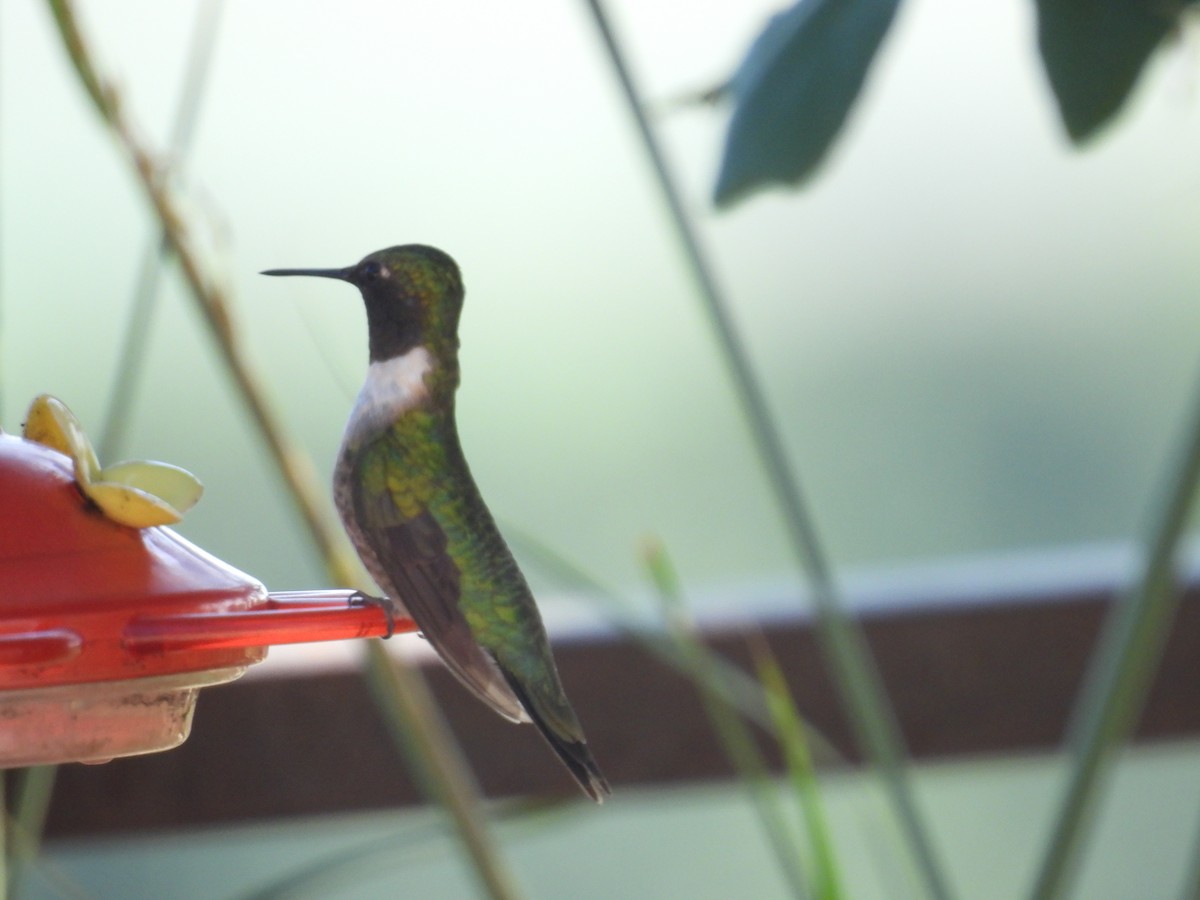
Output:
[[346, 274]]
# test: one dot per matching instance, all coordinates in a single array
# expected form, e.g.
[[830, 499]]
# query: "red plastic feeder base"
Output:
[[108, 632]]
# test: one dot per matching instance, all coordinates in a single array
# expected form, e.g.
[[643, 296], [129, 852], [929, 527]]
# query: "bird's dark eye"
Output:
[[371, 271]]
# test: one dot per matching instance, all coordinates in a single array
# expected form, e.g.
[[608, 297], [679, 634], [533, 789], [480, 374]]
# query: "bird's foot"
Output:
[[358, 598]]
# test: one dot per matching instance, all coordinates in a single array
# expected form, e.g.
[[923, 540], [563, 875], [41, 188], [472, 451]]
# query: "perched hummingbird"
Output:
[[411, 507]]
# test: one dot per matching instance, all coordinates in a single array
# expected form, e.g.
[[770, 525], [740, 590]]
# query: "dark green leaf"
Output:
[[795, 88], [1094, 51]]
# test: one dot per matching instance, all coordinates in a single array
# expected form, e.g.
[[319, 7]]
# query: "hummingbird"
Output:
[[415, 515]]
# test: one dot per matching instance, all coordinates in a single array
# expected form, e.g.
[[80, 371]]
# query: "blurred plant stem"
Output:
[[735, 736], [735, 687], [790, 732], [432, 755], [154, 255], [1122, 666], [332, 874], [31, 791], [212, 301], [854, 672], [5, 832], [1191, 879], [436, 760]]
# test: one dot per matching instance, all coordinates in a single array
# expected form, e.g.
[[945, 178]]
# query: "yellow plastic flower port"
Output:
[[138, 494]]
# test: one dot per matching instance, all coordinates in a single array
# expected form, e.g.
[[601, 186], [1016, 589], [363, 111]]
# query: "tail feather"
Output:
[[574, 754]]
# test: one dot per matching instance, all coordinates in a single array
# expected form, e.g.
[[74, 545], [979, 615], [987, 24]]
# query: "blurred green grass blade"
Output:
[[853, 669], [212, 301], [736, 688], [5, 844], [789, 728], [794, 89], [403, 699], [733, 733], [32, 791], [1191, 880], [332, 874], [1122, 667], [137, 331]]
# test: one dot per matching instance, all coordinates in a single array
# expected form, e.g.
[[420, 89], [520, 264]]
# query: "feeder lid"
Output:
[[72, 580], [107, 631]]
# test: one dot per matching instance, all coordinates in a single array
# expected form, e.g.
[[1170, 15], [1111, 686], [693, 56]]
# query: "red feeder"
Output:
[[108, 632]]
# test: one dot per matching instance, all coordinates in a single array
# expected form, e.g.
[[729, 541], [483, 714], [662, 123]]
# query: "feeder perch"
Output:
[[107, 632]]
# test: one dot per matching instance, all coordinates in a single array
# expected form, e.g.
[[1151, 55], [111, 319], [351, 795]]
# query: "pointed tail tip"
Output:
[[593, 782], [600, 790], [577, 757], [582, 765], [573, 752]]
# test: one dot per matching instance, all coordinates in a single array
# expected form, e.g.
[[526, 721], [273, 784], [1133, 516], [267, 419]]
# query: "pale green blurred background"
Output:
[[976, 338]]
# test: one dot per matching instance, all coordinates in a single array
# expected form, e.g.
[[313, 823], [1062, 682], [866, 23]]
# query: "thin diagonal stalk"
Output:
[[735, 687], [37, 783], [330, 874], [5, 834], [439, 764], [1122, 666], [789, 729], [32, 789], [1191, 880], [293, 466], [212, 302], [854, 672], [133, 349], [731, 731]]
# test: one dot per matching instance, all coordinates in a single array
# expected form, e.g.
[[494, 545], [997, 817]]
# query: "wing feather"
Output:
[[414, 566]]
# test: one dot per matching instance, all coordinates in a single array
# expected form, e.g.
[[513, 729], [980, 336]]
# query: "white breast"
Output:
[[393, 387]]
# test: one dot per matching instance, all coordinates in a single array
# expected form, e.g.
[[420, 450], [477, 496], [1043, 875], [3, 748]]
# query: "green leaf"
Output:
[[794, 89], [1094, 50]]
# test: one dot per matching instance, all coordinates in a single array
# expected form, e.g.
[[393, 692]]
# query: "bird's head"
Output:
[[413, 295]]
